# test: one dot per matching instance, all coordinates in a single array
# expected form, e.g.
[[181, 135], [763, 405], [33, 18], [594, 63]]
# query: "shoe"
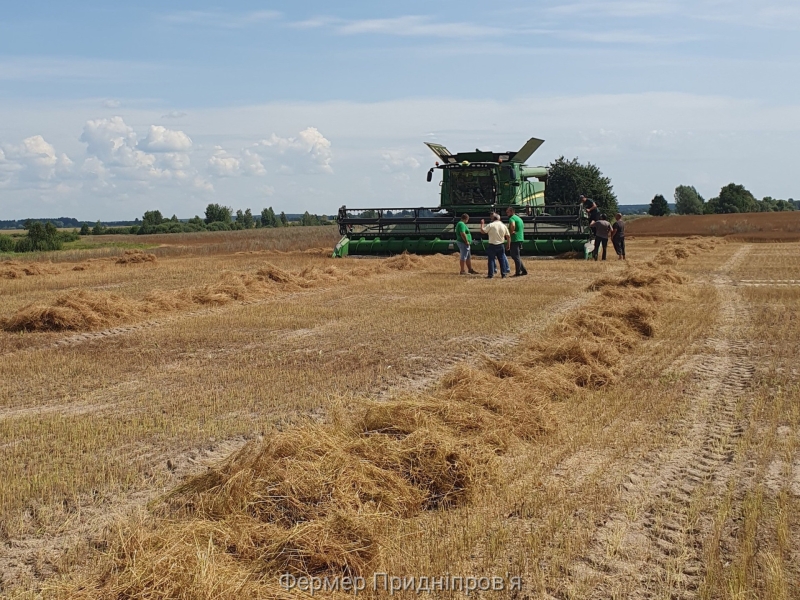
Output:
[[474, 272], [523, 273], [502, 276], [465, 273], [490, 277]]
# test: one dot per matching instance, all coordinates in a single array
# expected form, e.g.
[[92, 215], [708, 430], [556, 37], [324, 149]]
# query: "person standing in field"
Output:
[[499, 242], [602, 229], [464, 241], [517, 230], [618, 236]]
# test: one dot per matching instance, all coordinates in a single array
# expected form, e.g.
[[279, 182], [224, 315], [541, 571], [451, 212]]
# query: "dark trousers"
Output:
[[498, 252], [519, 268], [598, 241], [619, 245]]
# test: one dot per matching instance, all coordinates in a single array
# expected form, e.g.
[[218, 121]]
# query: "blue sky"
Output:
[[108, 111]]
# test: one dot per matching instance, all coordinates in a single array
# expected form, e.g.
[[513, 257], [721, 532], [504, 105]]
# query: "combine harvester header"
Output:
[[477, 183]]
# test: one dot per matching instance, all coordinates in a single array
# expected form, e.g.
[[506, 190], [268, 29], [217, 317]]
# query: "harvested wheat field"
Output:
[[247, 417], [741, 227]]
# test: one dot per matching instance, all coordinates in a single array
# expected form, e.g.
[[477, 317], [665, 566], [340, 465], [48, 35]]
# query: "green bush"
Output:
[[40, 238], [7, 243], [218, 226]]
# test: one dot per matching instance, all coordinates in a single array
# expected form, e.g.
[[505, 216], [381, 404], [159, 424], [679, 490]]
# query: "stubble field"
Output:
[[198, 418]]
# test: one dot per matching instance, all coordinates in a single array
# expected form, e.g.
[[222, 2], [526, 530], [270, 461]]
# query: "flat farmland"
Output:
[[744, 227], [200, 417]]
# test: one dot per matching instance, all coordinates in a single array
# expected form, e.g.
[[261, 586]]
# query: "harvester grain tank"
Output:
[[477, 183]]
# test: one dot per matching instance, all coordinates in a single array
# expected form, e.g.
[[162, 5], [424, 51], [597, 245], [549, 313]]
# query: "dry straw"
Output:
[[134, 257], [322, 498], [83, 310]]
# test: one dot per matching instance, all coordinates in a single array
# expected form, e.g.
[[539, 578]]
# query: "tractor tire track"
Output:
[[653, 546]]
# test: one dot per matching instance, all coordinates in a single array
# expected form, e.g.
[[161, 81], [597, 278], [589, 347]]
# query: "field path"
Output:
[[654, 542]]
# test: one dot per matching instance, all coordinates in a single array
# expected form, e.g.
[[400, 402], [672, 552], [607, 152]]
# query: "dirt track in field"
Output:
[[655, 539]]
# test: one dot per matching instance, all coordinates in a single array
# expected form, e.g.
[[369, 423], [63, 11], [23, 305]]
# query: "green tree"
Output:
[[245, 219], [216, 213], [284, 219], [308, 220], [733, 198], [658, 206], [98, 229], [39, 238], [568, 180], [269, 219], [152, 217], [85, 229], [688, 201]]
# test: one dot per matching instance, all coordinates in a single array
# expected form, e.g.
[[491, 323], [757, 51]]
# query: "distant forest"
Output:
[[67, 222]]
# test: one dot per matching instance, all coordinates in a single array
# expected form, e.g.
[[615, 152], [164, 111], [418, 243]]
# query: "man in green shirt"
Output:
[[517, 229], [464, 241]]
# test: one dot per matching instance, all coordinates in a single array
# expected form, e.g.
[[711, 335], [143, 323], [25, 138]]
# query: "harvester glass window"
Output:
[[472, 186]]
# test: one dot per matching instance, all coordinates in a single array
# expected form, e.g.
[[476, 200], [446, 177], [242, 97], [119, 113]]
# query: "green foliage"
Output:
[[39, 238], [98, 229], [770, 204], [244, 220], [568, 180], [688, 201], [658, 206], [284, 219], [85, 229], [216, 213], [197, 221], [269, 219], [219, 226], [7, 243], [152, 218], [308, 220], [733, 198]]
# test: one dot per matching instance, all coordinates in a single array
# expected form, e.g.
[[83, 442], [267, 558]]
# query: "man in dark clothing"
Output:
[[602, 229], [591, 208], [618, 237], [592, 211]]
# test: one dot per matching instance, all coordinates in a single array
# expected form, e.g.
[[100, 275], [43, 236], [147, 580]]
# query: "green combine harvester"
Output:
[[477, 183]]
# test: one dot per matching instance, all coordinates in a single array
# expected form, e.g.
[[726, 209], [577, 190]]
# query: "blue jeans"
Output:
[[464, 252], [497, 251]]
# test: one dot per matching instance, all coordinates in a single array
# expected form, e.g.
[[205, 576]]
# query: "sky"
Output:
[[111, 109]]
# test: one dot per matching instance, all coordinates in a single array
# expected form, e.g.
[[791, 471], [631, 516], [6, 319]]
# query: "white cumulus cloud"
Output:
[[115, 143], [251, 163], [310, 146], [223, 164], [161, 139], [35, 158]]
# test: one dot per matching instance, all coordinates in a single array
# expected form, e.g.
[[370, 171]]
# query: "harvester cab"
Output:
[[474, 183]]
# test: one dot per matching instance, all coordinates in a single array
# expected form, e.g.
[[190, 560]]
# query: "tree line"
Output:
[[217, 218], [733, 198]]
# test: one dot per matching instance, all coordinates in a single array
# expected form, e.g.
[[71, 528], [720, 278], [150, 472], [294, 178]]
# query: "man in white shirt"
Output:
[[499, 242]]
